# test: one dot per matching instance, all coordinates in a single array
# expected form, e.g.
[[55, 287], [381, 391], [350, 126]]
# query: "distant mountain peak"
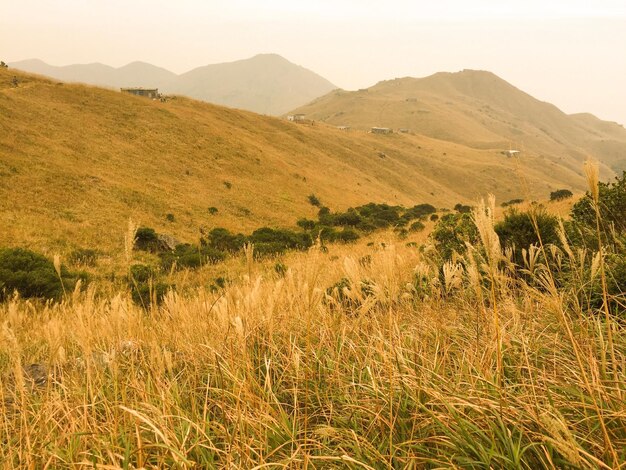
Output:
[[265, 83]]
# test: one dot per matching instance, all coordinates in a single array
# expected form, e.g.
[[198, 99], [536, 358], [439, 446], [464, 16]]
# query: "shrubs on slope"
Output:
[[33, 275]]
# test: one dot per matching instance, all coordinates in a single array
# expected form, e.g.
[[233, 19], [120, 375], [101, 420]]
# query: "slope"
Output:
[[477, 109], [76, 162], [266, 83]]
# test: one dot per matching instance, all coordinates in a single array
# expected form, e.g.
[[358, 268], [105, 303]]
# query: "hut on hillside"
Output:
[[380, 130], [152, 93]]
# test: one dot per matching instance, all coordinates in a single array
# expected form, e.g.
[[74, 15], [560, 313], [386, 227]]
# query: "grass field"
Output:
[[478, 370]]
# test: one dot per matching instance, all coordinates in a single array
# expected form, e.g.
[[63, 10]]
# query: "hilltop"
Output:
[[480, 110], [265, 83], [77, 161]]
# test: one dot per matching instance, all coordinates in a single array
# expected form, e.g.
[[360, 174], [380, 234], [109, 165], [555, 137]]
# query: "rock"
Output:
[[167, 242], [36, 374]]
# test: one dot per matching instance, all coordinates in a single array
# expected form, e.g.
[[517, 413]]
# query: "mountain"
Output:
[[477, 109], [266, 83], [77, 161], [133, 74]]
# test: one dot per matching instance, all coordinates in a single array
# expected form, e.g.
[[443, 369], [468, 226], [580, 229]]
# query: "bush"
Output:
[[146, 239], [329, 234], [451, 233], [419, 211], [32, 275], [306, 224], [222, 239], [141, 273], [149, 293], [269, 241], [213, 210], [511, 202], [191, 257], [417, 226], [83, 257], [145, 287], [170, 217], [380, 215], [314, 201], [350, 218], [612, 206], [324, 216], [228, 184], [434, 218], [560, 194], [462, 209], [518, 231], [280, 269]]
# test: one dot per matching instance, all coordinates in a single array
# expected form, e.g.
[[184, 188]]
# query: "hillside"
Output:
[[76, 162], [480, 110], [266, 83]]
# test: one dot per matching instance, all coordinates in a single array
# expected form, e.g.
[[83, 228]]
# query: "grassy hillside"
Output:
[[477, 109], [76, 162]]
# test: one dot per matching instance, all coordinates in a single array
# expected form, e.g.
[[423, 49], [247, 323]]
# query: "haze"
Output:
[[570, 53]]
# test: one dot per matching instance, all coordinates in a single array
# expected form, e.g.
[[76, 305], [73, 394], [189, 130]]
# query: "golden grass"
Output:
[[272, 373]]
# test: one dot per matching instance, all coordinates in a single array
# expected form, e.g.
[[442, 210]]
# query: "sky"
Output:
[[571, 53]]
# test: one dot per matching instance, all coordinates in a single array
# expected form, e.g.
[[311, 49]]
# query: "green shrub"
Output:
[[141, 273], [462, 209], [149, 293], [419, 211], [350, 218], [434, 218], [228, 184], [331, 235], [280, 268], [83, 257], [325, 217], [612, 207], [417, 226], [314, 200], [268, 241], [223, 240], [32, 275], [145, 287], [343, 293], [306, 224], [451, 233], [518, 231], [146, 239], [213, 210], [560, 194], [170, 217], [512, 202], [190, 257]]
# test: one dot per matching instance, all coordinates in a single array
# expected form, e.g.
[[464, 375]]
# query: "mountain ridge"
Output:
[[477, 109], [264, 83]]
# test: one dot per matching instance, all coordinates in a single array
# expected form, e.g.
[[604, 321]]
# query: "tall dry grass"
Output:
[[272, 373]]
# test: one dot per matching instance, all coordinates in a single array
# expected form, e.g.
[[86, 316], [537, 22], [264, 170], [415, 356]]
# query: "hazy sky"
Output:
[[568, 52]]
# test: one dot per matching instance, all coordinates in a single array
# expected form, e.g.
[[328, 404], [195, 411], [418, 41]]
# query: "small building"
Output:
[[296, 117], [381, 130], [510, 153], [152, 93], [343, 128]]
